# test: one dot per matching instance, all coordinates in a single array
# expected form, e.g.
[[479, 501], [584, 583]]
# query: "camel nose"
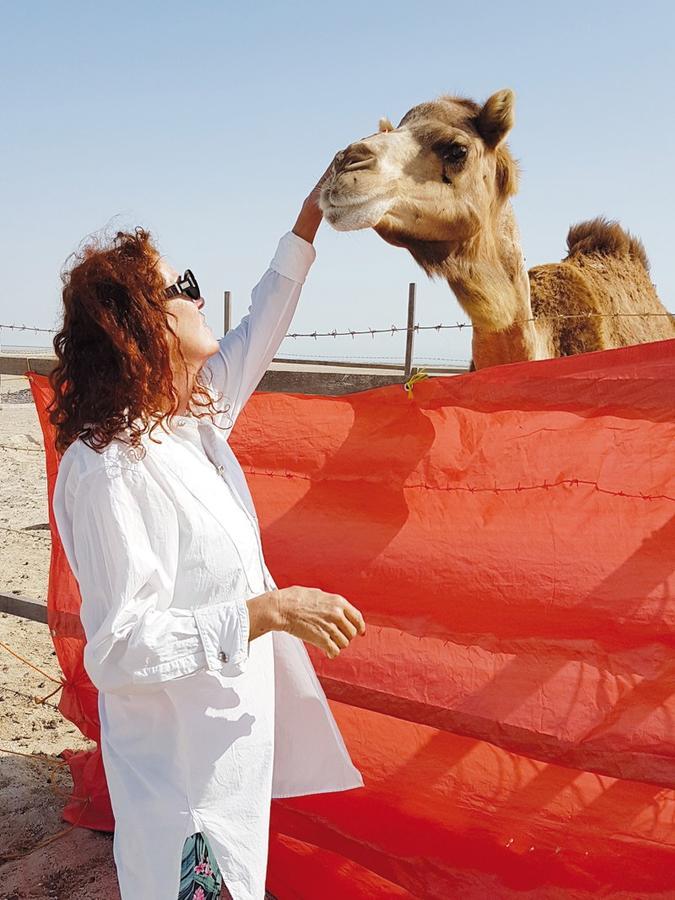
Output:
[[357, 156]]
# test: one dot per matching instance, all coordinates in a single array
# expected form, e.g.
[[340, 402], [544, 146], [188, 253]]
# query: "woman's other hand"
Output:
[[326, 620]]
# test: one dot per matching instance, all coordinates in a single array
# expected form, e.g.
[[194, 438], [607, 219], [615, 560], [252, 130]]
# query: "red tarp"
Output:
[[510, 538]]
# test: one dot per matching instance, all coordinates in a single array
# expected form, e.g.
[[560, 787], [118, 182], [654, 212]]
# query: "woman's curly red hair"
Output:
[[114, 351]]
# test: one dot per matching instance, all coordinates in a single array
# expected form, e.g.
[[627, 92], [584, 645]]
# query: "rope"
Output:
[[38, 757], [42, 700], [33, 698], [55, 763], [58, 681]]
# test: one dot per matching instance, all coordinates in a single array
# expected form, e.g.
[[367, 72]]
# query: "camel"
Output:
[[440, 185]]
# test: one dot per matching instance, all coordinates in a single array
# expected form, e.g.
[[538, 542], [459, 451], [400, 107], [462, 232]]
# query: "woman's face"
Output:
[[196, 339]]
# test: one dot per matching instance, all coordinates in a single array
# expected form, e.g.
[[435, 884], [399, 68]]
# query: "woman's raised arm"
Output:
[[245, 352]]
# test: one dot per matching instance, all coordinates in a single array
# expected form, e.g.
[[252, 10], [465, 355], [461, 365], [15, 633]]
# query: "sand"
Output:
[[78, 864], [24, 551]]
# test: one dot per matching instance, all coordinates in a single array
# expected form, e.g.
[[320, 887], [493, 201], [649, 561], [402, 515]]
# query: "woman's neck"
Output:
[[184, 386]]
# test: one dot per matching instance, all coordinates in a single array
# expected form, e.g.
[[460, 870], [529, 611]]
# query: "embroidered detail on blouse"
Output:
[[119, 456]]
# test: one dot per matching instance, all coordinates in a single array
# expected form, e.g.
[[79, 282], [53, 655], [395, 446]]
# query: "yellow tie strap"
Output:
[[418, 376]]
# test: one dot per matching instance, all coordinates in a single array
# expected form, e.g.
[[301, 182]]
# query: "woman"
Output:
[[209, 705]]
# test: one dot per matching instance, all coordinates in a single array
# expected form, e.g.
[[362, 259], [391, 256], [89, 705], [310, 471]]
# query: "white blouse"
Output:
[[199, 727], [233, 513]]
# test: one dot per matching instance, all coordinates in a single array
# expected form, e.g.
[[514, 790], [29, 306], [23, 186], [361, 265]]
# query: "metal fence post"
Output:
[[227, 312], [412, 288]]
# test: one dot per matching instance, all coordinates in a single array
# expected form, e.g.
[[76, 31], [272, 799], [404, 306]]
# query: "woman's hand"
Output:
[[308, 221], [326, 620]]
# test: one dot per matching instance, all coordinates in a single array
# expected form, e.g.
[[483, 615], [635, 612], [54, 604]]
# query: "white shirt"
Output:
[[199, 728], [228, 509]]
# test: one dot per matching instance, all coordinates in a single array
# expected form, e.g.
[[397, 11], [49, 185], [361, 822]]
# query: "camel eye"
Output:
[[453, 153]]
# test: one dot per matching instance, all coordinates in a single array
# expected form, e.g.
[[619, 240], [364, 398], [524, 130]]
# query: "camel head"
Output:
[[434, 184]]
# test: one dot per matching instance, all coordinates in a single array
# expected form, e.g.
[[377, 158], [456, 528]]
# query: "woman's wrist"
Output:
[[265, 614], [310, 217], [307, 223]]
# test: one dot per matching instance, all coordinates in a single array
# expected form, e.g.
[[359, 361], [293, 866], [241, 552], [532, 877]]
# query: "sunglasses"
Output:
[[186, 285]]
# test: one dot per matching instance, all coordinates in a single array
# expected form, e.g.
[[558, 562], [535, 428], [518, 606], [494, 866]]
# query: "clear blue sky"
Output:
[[208, 121]]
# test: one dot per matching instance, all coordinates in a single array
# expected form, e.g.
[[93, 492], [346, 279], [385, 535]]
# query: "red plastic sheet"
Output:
[[510, 538]]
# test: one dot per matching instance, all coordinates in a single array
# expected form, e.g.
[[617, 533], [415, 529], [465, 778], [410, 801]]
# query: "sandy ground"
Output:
[[24, 552], [78, 864]]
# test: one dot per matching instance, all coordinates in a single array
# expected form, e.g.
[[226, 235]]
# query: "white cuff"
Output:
[[293, 258], [224, 630]]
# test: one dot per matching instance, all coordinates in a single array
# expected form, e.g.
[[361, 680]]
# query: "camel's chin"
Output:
[[355, 216]]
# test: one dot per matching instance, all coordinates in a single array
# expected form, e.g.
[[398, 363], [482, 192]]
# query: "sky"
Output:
[[208, 123]]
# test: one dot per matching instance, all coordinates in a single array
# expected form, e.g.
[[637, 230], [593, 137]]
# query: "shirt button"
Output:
[[223, 656]]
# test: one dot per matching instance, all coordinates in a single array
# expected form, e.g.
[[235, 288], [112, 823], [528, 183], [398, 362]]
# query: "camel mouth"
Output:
[[354, 213]]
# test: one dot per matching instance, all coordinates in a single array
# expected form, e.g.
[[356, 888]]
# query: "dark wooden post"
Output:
[[227, 312], [412, 287]]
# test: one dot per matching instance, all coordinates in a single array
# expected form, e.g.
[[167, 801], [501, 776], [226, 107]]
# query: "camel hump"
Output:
[[604, 236]]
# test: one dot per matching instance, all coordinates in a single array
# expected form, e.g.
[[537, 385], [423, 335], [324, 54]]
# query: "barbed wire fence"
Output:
[[392, 329]]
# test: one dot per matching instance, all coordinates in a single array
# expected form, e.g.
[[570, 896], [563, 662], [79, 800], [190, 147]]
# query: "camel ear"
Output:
[[496, 118], [385, 125]]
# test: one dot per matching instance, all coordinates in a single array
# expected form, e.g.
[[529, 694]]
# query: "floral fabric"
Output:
[[200, 877]]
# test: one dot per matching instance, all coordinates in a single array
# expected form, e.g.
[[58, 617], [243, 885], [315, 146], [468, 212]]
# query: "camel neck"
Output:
[[489, 278]]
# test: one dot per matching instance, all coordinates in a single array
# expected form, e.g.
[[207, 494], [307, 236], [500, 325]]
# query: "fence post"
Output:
[[412, 287], [227, 312]]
